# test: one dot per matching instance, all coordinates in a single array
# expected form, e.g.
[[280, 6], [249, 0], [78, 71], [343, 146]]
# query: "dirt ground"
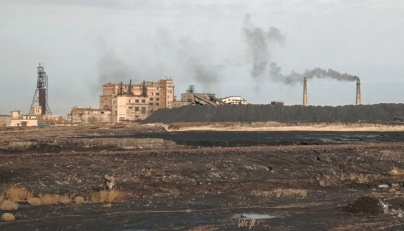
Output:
[[203, 180]]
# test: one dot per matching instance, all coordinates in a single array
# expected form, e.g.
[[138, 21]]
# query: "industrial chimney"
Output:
[[358, 92], [130, 92], [305, 92], [120, 92]]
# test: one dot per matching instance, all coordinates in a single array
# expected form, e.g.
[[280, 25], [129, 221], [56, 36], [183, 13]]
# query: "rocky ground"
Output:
[[206, 181]]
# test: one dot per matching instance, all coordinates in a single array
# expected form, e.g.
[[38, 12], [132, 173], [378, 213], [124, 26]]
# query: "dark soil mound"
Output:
[[365, 205], [257, 113]]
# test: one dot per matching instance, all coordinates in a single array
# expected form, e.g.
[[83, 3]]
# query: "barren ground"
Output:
[[202, 180]]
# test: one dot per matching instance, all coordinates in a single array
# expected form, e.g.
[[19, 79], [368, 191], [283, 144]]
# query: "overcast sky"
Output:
[[84, 44]]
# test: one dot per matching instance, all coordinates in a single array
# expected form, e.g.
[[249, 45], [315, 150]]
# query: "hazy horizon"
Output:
[[224, 47]]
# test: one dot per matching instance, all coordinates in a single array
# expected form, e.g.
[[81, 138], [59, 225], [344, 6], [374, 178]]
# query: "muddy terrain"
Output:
[[205, 180]]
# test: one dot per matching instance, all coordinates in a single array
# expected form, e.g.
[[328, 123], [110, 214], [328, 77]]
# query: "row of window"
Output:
[[138, 108], [137, 101], [150, 104], [143, 108]]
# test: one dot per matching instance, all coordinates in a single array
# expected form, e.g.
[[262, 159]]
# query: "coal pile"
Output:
[[259, 113], [365, 205]]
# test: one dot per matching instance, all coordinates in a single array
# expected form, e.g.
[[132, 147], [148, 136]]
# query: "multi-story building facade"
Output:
[[5, 120], [128, 102], [89, 115], [130, 108]]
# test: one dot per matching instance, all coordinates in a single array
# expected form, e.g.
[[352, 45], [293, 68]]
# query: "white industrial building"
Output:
[[234, 100]]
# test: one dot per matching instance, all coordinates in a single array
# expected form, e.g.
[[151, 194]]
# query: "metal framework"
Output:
[[41, 92]]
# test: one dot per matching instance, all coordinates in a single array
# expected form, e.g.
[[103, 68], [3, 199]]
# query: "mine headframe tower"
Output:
[[41, 91]]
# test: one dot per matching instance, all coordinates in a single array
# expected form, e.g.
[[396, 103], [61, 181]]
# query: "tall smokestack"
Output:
[[130, 88], [358, 92], [120, 92], [305, 92], [144, 89]]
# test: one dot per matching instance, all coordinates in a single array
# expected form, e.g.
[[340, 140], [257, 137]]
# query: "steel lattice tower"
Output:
[[41, 92]]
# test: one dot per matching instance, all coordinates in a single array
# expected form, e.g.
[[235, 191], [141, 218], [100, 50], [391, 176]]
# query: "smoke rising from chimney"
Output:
[[276, 75], [163, 54], [204, 75], [187, 59], [258, 41], [112, 69], [196, 58]]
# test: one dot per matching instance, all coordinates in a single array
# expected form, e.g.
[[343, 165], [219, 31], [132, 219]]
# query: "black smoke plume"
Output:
[[276, 75], [258, 41], [112, 69]]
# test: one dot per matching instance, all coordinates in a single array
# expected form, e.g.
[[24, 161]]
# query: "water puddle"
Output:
[[135, 230], [254, 216]]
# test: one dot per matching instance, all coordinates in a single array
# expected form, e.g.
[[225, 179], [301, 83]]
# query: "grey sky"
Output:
[[86, 43]]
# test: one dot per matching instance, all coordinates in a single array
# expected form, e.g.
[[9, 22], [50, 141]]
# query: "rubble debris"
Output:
[[371, 206], [384, 186], [365, 205], [110, 181]]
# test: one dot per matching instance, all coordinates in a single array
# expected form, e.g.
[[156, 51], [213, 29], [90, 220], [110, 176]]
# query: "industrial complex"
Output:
[[125, 103], [118, 103]]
